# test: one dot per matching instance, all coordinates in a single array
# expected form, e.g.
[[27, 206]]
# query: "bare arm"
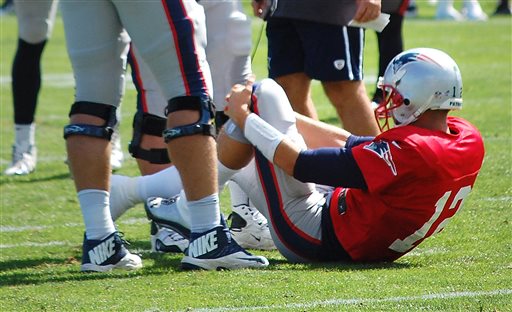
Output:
[[320, 134]]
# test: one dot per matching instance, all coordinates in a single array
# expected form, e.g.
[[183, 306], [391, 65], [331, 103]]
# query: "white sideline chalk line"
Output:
[[354, 301], [62, 80], [33, 244], [11, 229], [67, 80]]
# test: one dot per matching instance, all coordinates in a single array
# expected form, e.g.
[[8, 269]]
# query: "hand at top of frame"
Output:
[[367, 10]]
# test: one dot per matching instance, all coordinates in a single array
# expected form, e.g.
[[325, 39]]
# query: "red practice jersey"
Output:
[[417, 180]]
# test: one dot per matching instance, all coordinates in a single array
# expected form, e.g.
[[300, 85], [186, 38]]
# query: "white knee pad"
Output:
[[35, 19]]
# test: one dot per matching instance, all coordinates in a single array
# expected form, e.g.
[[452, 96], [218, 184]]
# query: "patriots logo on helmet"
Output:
[[382, 150], [410, 57]]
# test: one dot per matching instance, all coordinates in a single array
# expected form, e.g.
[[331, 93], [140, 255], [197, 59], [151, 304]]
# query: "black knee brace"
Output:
[[202, 126], [220, 120], [103, 111], [144, 123]]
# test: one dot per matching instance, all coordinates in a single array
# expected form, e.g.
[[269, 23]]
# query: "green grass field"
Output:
[[467, 267]]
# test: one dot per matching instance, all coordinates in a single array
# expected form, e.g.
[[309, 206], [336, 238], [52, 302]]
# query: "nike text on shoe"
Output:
[[107, 254], [166, 240], [23, 163], [165, 213], [250, 228], [216, 250]]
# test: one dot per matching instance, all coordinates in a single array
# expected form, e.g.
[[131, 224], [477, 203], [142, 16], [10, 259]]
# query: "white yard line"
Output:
[[66, 80], [355, 301], [32, 244], [11, 229], [61, 80]]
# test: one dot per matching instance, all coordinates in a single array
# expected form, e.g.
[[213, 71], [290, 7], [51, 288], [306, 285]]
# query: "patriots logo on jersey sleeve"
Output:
[[382, 150]]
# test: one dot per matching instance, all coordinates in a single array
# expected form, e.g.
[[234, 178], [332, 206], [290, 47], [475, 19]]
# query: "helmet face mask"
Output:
[[391, 100], [415, 81]]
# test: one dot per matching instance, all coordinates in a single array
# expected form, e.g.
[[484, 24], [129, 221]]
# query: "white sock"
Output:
[[204, 213], [183, 213], [24, 136], [165, 183], [224, 174], [96, 213], [238, 196]]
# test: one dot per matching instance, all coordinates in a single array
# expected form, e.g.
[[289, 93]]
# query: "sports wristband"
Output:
[[262, 135]]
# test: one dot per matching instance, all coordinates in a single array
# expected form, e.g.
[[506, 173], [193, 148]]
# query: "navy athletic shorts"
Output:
[[324, 52]]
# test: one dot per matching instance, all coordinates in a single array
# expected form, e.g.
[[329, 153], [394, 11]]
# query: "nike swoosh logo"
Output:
[[256, 237], [257, 260]]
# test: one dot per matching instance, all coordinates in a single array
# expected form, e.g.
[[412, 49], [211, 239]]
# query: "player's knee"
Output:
[[147, 124], [268, 93], [104, 112], [202, 126], [273, 105], [34, 32]]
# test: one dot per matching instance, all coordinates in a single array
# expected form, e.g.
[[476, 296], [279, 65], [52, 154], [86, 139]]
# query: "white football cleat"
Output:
[[215, 249], [250, 228], [108, 254], [166, 240], [23, 163]]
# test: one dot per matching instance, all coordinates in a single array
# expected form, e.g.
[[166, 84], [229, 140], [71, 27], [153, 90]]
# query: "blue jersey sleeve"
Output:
[[354, 140], [329, 166]]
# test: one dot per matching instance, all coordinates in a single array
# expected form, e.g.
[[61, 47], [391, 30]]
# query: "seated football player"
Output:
[[333, 196]]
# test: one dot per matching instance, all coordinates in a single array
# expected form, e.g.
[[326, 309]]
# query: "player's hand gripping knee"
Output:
[[239, 101]]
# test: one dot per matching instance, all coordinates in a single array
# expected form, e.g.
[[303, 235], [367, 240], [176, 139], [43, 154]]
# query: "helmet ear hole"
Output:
[[407, 102]]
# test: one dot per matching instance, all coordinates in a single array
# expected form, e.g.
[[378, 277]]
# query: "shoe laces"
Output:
[[122, 239], [254, 213], [175, 236]]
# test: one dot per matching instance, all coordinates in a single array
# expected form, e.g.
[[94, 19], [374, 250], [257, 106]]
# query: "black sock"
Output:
[[26, 80]]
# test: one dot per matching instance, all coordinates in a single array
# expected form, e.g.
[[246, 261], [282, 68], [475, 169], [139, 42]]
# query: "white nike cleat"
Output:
[[166, 240], [108, 254], [123, 194], [165, 213], [23, 163], [216, 250], [250, 228]]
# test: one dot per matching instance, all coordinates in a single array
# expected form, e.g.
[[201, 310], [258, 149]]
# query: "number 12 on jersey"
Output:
[[441, 205]]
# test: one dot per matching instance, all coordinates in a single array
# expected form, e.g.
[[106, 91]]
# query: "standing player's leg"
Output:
[[98, 56], [286, 61], [35, 24], [342, 80], [149, 150]]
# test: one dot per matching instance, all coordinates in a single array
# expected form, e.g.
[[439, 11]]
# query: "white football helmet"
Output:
[[417, 80]]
